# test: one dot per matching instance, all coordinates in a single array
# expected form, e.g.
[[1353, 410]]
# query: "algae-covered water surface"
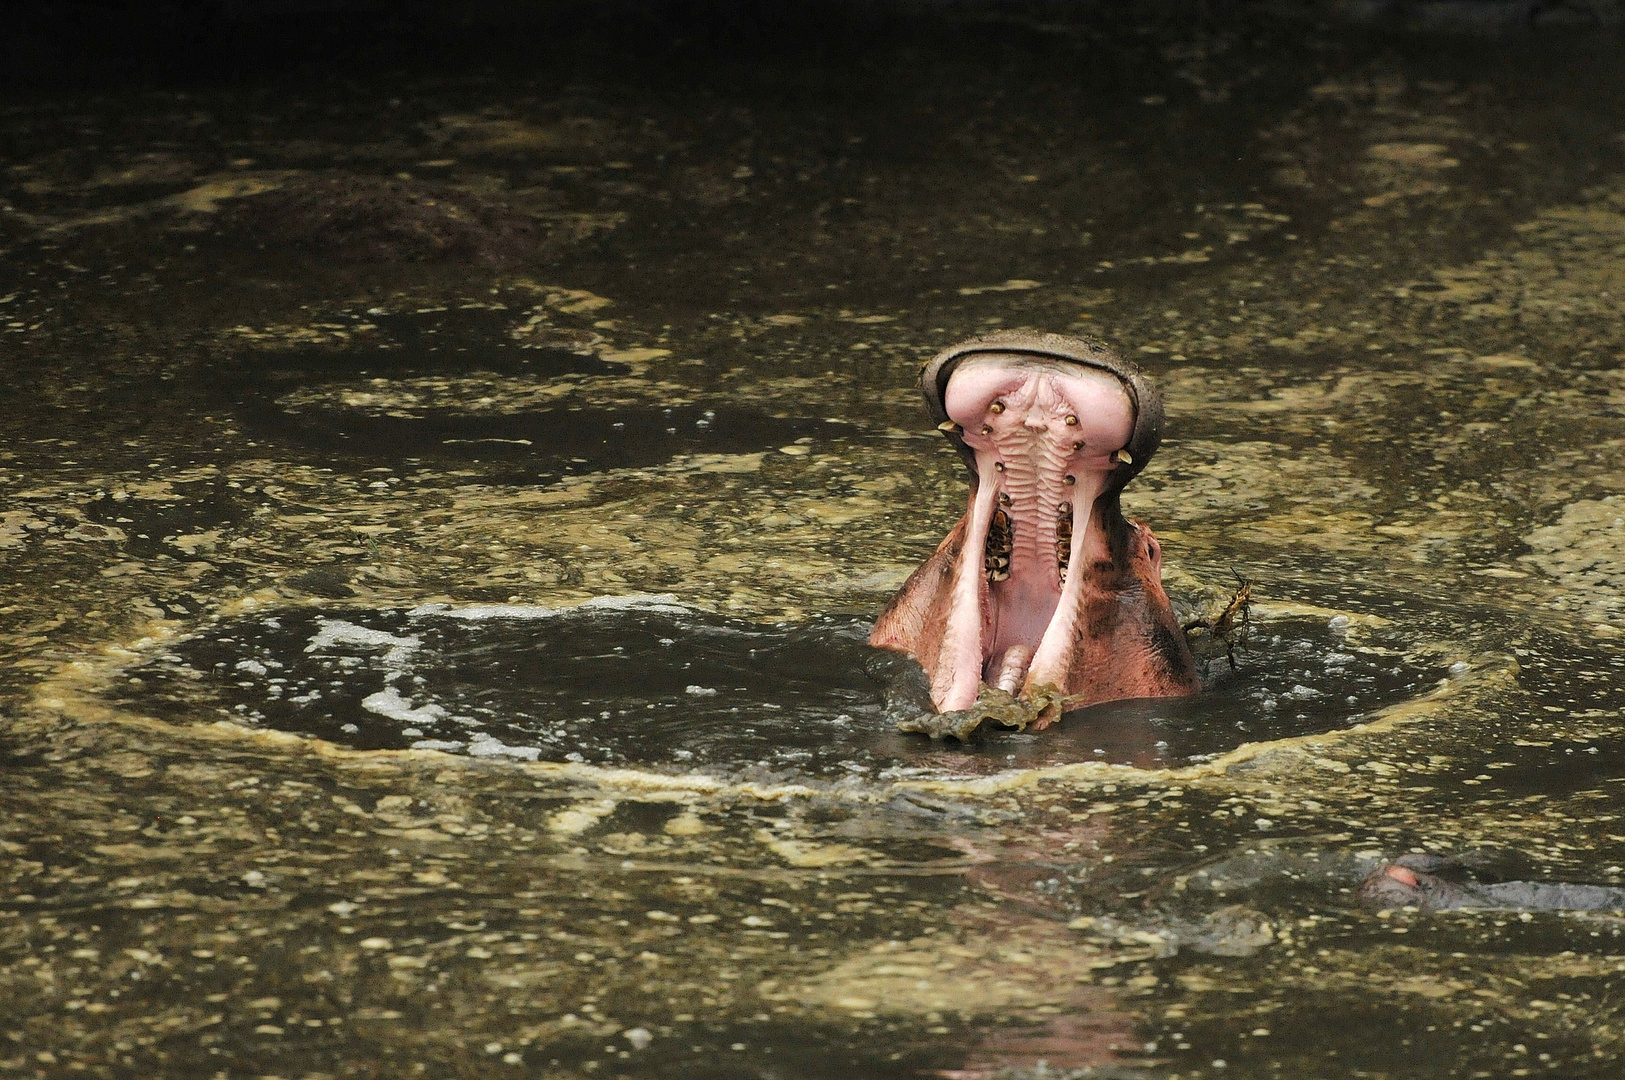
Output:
[[451, 469]]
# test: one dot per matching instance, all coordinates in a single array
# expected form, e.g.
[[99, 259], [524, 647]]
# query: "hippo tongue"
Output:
[[1044, 434]]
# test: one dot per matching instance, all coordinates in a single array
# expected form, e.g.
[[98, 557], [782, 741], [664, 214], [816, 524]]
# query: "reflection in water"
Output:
[[648, 682]]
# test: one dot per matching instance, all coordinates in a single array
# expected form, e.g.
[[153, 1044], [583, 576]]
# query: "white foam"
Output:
[[388, 702], [666, 603], [337, 632], [483, 745]]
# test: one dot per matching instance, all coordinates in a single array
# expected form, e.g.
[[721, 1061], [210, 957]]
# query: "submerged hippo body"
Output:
[[1043, 588], [1436, 883]]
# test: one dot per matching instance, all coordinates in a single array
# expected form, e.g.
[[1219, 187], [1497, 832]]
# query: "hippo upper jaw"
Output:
[[1043, 586]]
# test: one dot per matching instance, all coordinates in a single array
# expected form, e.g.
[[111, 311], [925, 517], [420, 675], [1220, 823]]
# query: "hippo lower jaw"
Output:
[[1043, 588]]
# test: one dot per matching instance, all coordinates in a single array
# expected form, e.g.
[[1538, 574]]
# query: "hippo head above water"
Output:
[[1043, 589]]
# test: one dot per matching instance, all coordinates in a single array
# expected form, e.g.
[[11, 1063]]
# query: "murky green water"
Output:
[[442, 507], [645, 681]]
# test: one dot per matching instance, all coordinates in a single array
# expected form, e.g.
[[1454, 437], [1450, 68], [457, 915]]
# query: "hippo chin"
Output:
[[1043, 589]]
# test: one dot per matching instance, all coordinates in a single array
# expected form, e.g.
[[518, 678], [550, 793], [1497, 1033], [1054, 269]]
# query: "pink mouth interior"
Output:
[[1044, 433]]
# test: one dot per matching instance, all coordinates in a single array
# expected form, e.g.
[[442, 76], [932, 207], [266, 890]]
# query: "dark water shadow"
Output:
[[446, 341], [648, 683], [548, 442], [527, 445]]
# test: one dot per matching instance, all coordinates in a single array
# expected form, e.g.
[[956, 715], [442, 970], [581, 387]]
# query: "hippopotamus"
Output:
[[1437, 883], [1043, 590]]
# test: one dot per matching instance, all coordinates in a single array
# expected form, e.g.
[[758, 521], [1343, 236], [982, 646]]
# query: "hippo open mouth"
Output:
[[1043, 589]]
